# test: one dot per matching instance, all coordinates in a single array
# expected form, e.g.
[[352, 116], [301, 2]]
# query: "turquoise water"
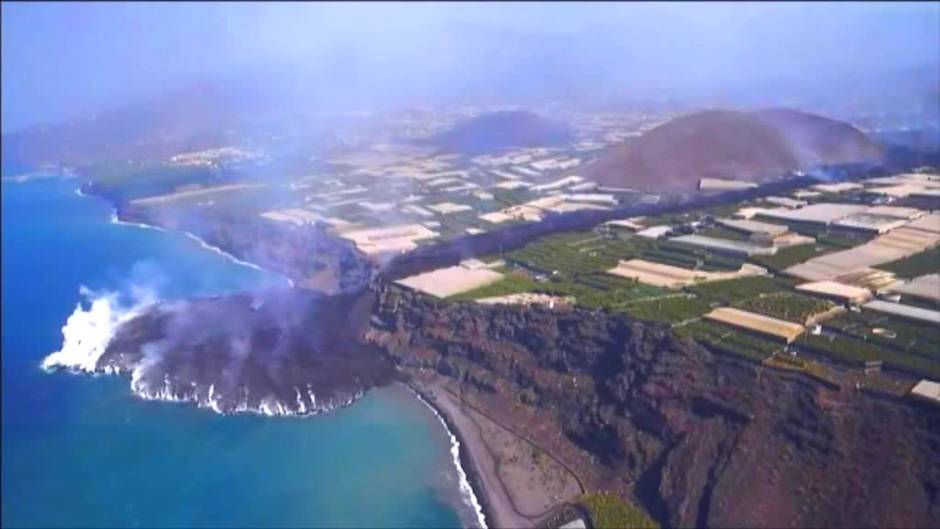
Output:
[[81, 450]]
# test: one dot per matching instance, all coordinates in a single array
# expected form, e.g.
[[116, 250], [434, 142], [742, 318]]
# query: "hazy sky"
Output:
[[60, 60]]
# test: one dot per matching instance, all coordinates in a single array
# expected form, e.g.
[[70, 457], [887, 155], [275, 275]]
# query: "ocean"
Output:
[[82, 450]]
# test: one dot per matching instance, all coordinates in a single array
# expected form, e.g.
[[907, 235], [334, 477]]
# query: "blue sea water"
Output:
[[81, 450]]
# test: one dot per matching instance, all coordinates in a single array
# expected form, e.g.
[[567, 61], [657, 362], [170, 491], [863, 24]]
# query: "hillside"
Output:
[[189, 119], [697, 439], [502, 130], [755, 146]]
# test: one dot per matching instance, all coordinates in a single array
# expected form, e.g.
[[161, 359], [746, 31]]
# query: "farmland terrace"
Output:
[[451, 252]]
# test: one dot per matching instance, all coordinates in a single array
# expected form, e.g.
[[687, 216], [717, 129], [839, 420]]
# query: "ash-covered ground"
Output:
[[276, 352]]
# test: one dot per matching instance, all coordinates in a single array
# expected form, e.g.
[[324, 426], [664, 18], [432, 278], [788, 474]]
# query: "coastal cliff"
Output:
[[695, 438]]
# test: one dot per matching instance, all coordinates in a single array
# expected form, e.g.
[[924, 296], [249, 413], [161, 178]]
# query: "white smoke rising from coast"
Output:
[[99, 316], [87, 332]]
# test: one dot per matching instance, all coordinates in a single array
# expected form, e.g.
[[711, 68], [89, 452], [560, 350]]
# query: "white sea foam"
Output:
[[87, 333], [469, 496], [267, 406]]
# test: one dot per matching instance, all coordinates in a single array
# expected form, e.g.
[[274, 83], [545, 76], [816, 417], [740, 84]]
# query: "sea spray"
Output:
[[469, 496]]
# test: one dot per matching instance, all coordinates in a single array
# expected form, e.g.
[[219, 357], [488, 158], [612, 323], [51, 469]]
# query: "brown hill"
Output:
[[754, 146], [496, 131]]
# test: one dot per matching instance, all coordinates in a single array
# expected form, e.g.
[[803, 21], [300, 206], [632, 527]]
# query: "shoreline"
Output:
[[474, 457], [116, 219], [491, 508], [469, 478]]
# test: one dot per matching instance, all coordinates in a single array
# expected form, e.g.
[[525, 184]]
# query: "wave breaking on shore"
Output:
[[467, 493]]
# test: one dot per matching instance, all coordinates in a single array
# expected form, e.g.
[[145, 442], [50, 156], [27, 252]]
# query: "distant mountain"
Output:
[[193, 118], [502, 130], [749, 146]]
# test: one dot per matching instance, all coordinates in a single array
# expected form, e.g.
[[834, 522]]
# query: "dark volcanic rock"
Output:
[[276, 352], [698, 439]]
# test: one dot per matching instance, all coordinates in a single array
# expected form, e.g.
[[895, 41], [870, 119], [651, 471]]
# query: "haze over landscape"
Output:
[[574, 265]]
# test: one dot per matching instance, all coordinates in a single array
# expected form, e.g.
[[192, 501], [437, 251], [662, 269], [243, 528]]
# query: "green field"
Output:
[[681, 217], [793, 255], [511, 284], [894, 333], [729, 340], [785, 306], [667, 309], [916, 265], [733, 290], [724, 233], [609, 511], [855, 352]]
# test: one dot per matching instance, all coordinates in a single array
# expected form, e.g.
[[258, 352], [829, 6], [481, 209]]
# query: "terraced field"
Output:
[[668, 309], [735, 290], [793, 255], [787, 306], [728, 340], [916, 265], [855, 352]]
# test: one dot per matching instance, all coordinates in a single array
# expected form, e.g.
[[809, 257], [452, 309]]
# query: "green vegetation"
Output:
[[793, 255], [843, 239], [123, 181], [916, 265], [724, 233], [511, 284], [671, 309], [856, 352], [609, 511], [738, 289], [786, 306], [891, 333], [728, 340], [682, 217]]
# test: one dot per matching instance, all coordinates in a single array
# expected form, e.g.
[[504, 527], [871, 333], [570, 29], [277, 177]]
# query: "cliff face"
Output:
[[698, 439], [308, 255]]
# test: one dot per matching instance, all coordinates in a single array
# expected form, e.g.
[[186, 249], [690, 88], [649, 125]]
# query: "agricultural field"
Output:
[[577, 253], [855, 352], [608, 511], [688, 216], [728, 340], [735, 290], [671, 309], [843, 239], [575, 264], [794, 255], [787, 306], [916, 265], [890, 332], [511, 284], [721, 232]]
